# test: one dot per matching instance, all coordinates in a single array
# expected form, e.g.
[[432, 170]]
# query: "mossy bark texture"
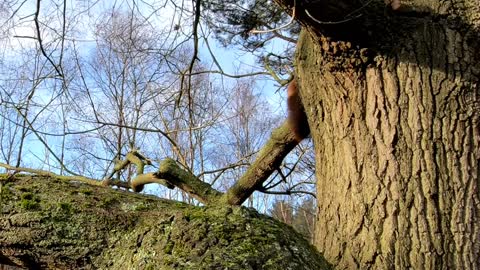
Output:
[[55, 224]]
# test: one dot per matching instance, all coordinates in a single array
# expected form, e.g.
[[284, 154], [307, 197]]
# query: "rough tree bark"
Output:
[[392, 99], [51, 223]]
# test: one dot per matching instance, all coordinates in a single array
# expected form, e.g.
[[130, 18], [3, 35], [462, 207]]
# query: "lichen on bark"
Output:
[[76, 226]]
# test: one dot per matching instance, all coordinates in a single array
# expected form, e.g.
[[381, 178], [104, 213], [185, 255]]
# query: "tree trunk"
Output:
[[393, 106], [46, 223]]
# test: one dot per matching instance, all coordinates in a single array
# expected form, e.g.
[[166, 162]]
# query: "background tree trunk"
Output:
[[396, 132]]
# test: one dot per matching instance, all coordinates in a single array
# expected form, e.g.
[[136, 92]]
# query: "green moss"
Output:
[[169, 248], [8, 185], [108, 201], [86, 191], [5, 190], [27, 196], [150, 267], [29, 201], [138, 232], [24, 189], [29, 204], [66, 208], [141, 207]]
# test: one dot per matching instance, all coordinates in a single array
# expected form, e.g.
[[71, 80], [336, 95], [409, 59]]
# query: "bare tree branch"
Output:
[[40, 42]]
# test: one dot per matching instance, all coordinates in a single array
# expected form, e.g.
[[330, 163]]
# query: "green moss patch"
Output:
[[63, 228]]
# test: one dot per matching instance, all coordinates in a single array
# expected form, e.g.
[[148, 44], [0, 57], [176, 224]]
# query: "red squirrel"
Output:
[[296, 113]]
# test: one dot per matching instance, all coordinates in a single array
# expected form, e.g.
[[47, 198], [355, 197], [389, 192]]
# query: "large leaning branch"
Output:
[[281, 142]]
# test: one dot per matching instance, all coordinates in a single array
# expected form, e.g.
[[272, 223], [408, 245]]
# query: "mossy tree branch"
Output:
[[50, 224], [281, 142], [170, 175]]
